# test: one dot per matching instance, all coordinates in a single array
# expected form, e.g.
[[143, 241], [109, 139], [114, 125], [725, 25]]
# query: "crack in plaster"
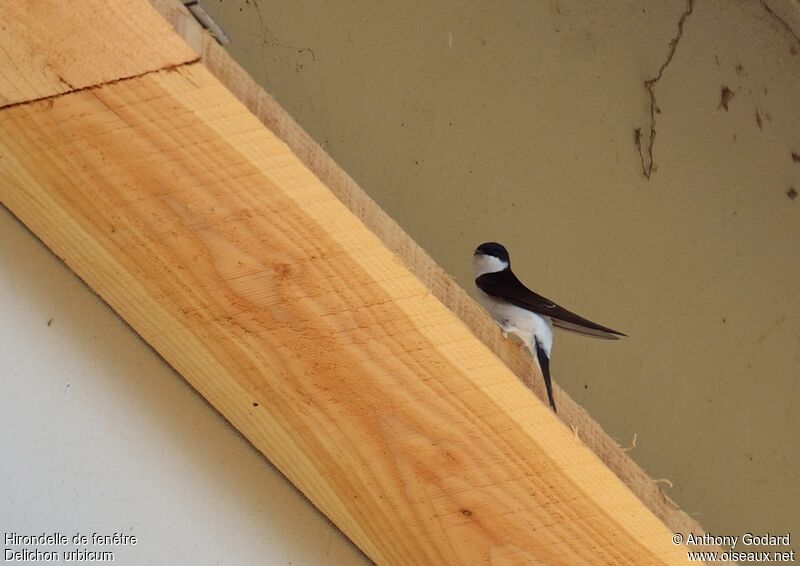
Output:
[[646, 155], [783, 23]]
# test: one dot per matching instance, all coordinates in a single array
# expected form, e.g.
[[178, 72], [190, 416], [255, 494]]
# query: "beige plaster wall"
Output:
[[515, 121]]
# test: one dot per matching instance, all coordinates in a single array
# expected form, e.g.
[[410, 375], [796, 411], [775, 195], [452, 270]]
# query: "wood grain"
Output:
[[212, 239], [416, 259], [50, 47]]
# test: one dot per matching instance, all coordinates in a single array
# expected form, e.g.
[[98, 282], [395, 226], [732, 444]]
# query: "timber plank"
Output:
[[417, 260], [49, 47], [205, 233]]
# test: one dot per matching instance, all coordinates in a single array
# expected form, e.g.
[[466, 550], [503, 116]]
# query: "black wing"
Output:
[[505, 285]]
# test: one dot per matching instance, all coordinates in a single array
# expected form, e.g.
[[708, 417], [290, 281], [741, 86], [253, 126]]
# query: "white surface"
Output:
[[100, 435]]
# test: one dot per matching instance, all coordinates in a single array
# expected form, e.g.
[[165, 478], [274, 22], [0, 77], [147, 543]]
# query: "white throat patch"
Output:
[[482, 264]]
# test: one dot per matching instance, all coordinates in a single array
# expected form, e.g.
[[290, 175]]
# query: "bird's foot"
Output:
[[503, 328]]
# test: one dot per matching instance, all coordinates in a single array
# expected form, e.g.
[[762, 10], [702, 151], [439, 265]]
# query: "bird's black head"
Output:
[[495, 250]]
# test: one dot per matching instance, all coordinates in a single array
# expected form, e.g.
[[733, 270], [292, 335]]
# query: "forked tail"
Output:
[[544, 365]]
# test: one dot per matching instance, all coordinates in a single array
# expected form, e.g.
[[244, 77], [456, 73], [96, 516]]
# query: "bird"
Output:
[[520, 311]]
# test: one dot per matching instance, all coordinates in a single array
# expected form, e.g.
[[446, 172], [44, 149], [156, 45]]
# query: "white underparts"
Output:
[[524, 323], [513, 319]]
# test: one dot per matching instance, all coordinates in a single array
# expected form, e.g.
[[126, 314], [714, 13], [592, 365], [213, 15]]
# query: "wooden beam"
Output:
[[416, 259], [50, 47], [228, 255]]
